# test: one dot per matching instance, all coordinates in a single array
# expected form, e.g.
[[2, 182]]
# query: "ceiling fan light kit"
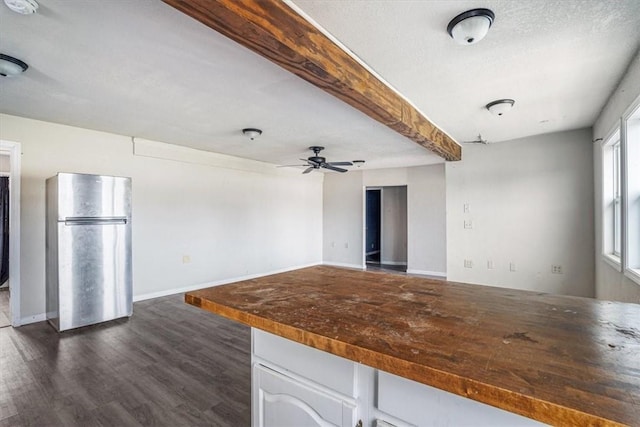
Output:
[[23, 7], [10, 66], [251, 133], [500, 106], [471, 26]]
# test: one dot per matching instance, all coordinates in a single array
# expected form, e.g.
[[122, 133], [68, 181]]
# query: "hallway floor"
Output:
[[4, 308]]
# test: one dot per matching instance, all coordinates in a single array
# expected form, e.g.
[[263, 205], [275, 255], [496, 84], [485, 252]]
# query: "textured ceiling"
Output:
[[140, 68], [559, 59]]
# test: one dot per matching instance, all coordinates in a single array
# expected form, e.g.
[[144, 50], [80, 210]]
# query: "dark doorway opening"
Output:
[[4, 253], [373, 226]]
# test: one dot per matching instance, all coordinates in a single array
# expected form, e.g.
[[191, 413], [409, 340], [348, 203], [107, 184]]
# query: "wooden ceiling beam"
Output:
[[274, 30]]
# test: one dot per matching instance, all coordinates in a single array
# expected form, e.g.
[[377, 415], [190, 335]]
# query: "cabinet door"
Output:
[[281, 401], [425, 406]]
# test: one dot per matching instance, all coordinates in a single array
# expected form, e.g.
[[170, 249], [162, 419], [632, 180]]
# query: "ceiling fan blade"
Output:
[[479, 140], [340, 163], [333, 168], [309, 169], [311, 162]]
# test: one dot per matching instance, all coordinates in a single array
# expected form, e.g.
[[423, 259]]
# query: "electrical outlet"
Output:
[[490, 264], [468, 263], [186, 259], [512, 266], [468, 224], [465, 208], [556, 269]]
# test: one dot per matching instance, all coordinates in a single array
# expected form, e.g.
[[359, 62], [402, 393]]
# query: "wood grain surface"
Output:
[[274, 30], [557, 359]]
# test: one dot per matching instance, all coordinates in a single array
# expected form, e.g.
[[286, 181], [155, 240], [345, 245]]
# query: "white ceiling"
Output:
[[140, 68]]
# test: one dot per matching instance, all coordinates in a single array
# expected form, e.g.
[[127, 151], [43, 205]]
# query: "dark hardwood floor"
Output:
[[170, 364]]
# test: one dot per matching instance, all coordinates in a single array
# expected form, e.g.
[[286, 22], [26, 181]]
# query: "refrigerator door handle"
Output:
[[95, 220]]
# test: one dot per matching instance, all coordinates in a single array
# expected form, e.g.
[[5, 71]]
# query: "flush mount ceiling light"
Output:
[[500, 106], [23, 7], [252, 133], [10, 66], [471, 26]]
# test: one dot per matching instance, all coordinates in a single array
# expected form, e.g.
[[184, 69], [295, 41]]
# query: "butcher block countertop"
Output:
[[557, 359]]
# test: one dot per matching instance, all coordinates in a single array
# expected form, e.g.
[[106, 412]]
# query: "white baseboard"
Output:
[[343, 264], [40, 317], [190, 288], [394, 262], [428, 273]]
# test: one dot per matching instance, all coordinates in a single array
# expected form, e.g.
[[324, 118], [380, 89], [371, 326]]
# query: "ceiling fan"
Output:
[[316, 162]]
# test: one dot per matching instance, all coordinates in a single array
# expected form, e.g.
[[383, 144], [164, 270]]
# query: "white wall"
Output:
[[5, 165], [611, 284], [394, 225], [427, 220], [342, 219], [343, 215], [231, 223], [531, 203]]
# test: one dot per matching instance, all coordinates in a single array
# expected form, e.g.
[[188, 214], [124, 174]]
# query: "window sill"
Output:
[[613, 261], [633, 274]]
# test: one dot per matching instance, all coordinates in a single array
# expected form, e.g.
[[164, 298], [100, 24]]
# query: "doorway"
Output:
[[10, 153], [386, 228], [5, 311], [373, 225]]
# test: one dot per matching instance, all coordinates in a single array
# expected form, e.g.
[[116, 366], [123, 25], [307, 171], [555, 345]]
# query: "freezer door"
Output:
[[95, 283], [93, 196]]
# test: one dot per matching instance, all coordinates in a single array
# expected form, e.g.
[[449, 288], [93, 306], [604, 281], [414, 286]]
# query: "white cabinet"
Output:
[[423, 406], [294, 385], [285, 402]]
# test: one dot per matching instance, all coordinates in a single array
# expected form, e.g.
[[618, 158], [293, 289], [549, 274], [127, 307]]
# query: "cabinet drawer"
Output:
[[331, 371], [422, 405]]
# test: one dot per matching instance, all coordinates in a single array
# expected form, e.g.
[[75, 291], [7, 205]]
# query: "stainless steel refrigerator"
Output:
[[88, 249]]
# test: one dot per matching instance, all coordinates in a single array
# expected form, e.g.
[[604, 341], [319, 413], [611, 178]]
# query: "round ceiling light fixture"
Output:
[[500, 106], [252, 133], [471, 26], [10, 66], [23, 7]]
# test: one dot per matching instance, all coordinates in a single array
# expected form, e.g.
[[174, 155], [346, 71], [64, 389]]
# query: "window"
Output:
[[621, 195], [617, 199], [612, 199], [631, 193]]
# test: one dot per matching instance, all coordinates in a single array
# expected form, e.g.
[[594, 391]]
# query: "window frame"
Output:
[[617, 178], [631, 232], [608, 147]]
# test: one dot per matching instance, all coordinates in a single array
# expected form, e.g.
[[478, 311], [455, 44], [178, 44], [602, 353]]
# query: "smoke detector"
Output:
[[23, 7]]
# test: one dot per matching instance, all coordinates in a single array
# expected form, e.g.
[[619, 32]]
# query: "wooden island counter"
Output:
[[556, 359]]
